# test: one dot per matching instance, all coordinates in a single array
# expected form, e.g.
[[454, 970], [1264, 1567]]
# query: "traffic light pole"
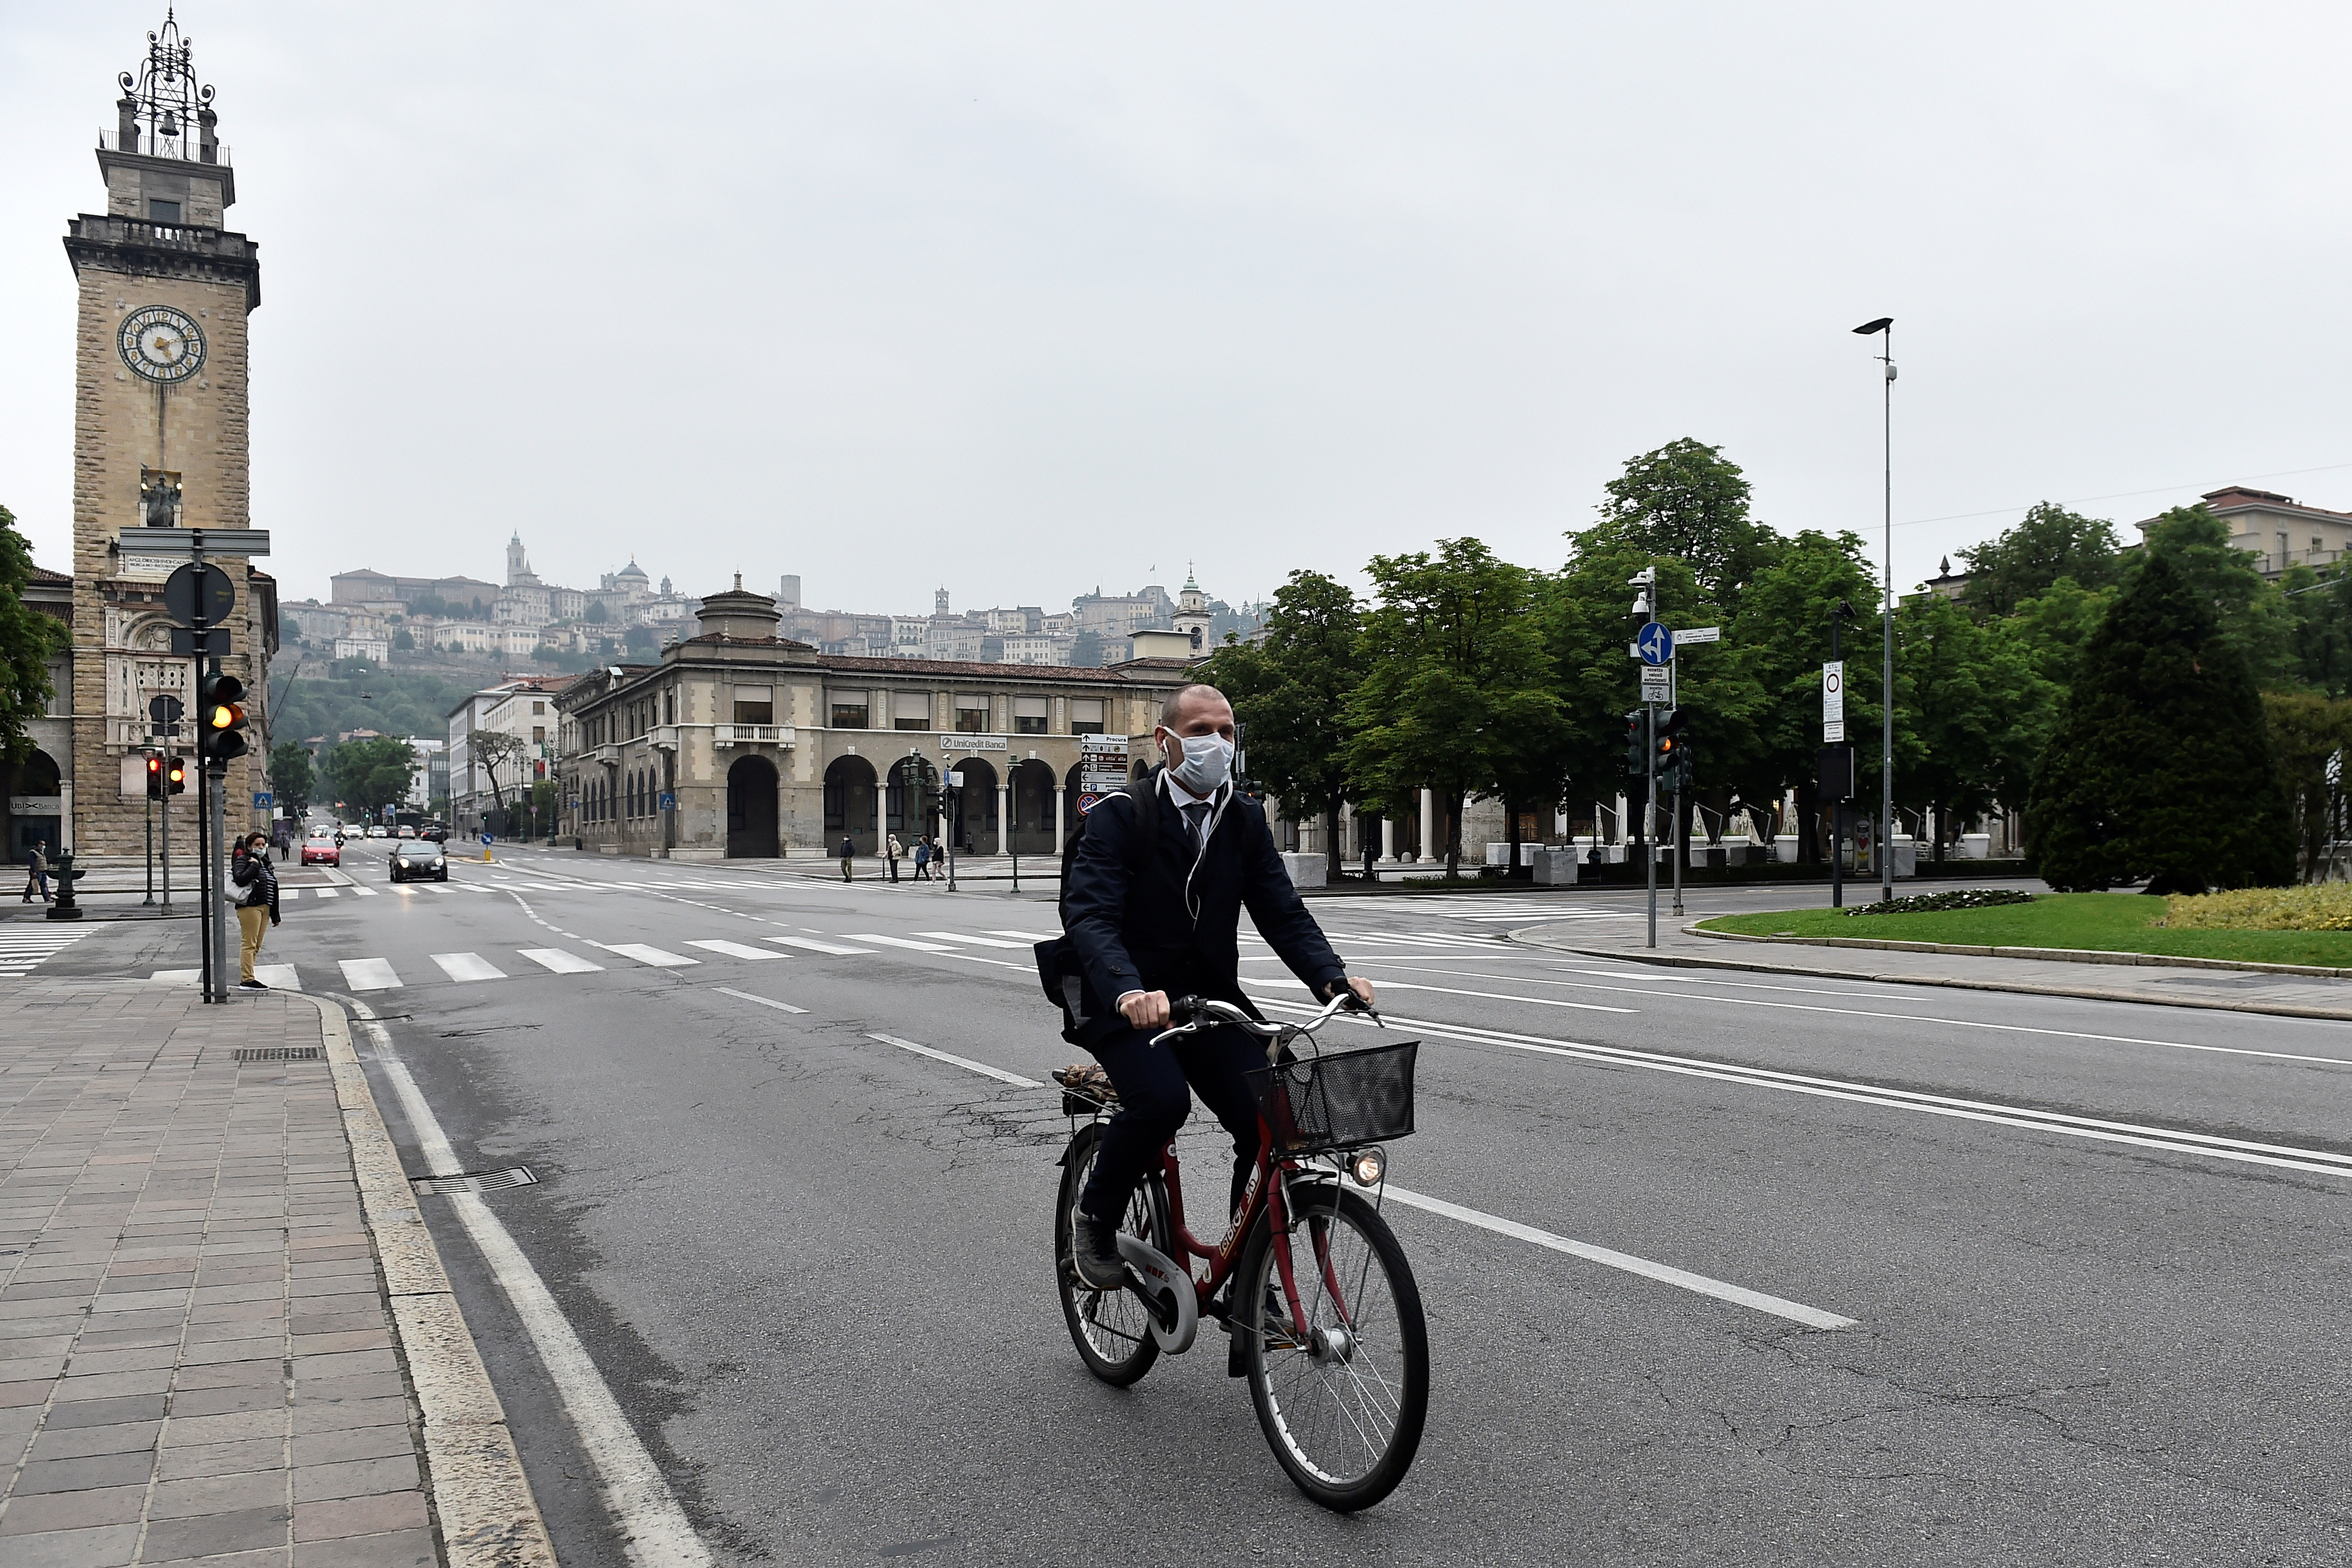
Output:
[[217, 919], [1650, 817], [1676, 845], [165, 813], [151, 845]]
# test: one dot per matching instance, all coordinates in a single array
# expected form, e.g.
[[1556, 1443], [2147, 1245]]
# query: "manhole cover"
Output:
[[478, 1181], [278, 1053]]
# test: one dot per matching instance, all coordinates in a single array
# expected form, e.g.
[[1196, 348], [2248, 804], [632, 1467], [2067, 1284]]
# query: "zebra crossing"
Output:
[[24, 947]]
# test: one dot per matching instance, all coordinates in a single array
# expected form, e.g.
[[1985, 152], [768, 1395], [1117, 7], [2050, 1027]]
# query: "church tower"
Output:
[[160, 435], [1193, 612], [518, 571]]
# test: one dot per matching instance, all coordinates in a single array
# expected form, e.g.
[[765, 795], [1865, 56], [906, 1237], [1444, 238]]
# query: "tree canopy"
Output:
[[1291, 691], [369, 775], [2050, 543], [28, 640]]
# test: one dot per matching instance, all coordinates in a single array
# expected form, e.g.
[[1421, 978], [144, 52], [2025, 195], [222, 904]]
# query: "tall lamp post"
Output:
[[1884, 330]]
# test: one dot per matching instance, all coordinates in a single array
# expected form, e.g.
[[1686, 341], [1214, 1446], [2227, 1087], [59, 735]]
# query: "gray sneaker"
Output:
[[1094, 1253]]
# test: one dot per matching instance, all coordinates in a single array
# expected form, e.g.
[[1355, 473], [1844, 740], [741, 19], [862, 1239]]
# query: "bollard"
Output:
[[65, 908]]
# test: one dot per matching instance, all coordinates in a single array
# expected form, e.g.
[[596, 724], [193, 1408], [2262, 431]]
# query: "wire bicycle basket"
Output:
[[1338, 1100]]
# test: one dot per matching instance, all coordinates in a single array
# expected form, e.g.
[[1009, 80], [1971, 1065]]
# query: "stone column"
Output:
[[1004, 815], [1388, 839], [1058, 840], [1428, 850]]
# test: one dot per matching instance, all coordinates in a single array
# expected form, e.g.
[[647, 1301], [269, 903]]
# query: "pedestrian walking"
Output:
[[257, 907], [893, 849], [37, 870], [848, 854], [923, 860]]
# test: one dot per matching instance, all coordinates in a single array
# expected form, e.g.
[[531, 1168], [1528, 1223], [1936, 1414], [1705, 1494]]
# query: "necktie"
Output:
[[1197, 813]]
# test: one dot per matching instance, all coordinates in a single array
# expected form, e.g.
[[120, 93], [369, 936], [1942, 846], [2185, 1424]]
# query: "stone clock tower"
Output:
[[159, 439]]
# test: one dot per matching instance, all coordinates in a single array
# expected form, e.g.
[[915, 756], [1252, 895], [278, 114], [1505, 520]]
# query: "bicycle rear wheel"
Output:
[[1111, 1328], [1343, 1407]]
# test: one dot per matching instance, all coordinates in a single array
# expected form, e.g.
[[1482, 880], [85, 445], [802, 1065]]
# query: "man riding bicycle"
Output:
[[1172, 926]]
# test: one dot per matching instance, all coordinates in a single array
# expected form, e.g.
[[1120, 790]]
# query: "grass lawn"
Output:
[[2117, 923]]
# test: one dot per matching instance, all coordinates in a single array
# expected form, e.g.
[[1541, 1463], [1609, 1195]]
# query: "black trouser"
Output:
[[1153, 1103]]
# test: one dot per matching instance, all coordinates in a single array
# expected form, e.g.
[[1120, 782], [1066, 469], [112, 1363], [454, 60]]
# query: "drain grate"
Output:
[[277, 1054], [478, 1181]]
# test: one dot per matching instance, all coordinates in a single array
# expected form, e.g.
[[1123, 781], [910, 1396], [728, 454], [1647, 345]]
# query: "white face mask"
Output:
[[1202, 763]]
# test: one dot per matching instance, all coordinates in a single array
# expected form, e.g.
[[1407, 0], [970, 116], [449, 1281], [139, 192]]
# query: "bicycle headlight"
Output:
[[1366, 1166]]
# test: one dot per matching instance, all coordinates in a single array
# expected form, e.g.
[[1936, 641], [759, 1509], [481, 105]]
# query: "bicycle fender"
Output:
[[1161, 1277]]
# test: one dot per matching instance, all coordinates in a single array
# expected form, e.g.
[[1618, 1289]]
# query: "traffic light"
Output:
[[220, 717], [1637, 743], [154, 776], [175, 775], [1673, 748]]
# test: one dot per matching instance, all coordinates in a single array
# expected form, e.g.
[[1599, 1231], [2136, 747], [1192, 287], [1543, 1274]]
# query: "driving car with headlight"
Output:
[[416, 857]]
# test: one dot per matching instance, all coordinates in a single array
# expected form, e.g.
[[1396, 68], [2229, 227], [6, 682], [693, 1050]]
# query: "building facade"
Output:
[[522, 707], [159, 439], [2280, 529], [739, 743]]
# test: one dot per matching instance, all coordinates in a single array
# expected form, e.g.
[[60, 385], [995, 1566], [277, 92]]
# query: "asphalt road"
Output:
[[2093, 1254]]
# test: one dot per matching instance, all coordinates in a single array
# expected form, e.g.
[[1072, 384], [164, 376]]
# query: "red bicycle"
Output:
[[1329, 1335]]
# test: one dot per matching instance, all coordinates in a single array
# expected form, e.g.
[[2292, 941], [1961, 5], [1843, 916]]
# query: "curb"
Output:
[[2048, 954], [488, 1515], [1948, 981]]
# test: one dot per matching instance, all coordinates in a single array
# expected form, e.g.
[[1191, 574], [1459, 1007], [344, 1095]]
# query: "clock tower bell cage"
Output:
[[160, 436]]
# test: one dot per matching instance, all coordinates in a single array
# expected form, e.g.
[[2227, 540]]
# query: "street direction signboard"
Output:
[[1833, 700], [668, 801], [163, 712], [188, 540], [1657, 683], [187, 594], [1102, 768], [955, 778], [1699, 633], [1656, 642]]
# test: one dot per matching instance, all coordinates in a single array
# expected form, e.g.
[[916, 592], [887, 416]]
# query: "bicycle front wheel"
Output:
[[1341, 1406]]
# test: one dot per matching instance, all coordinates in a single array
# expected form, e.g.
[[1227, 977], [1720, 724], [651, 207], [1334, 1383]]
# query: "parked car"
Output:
[[320, 849], [417, 859], [403, 831]]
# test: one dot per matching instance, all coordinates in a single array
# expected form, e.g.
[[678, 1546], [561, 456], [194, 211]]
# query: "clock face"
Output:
[[161, 343]]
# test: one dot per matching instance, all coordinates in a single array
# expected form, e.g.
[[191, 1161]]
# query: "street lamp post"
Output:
[[1884, 327]]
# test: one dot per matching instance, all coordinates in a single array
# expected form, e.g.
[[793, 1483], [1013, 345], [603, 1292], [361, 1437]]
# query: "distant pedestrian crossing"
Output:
[[1355, 938], [23, 947]]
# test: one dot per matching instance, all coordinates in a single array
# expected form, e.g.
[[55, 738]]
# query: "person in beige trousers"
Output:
[[257, 907]]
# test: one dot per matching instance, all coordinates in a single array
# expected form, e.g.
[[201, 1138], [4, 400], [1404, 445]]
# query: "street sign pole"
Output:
[[207, 975], [1680, 848], [1650, 815], [151, 854], [165, 813]]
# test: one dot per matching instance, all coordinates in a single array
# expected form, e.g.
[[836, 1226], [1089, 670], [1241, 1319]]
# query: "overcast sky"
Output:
[[1023, 297]]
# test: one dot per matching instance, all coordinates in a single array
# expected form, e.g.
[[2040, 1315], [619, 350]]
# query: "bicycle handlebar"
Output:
[[1192, 1014]]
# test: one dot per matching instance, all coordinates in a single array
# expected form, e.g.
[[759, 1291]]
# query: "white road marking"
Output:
[[178, 976], [645, 954], [1496, 996], [654, 1529], [1738, 1295], [368, 974], [899, 942], [287, 895], [280, 975], [2320, 1161], [362, 892], [735, 949], [951, 936], [324, 892], [762, 1001], [1029, 935], [561, 962], [999, 1074], [468, 966], [814, 946]]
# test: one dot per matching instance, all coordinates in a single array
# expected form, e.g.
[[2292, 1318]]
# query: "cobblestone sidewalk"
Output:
[[198, 1361]]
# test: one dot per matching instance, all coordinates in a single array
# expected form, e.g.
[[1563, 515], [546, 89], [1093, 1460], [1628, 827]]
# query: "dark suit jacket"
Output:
[[1138, 933]]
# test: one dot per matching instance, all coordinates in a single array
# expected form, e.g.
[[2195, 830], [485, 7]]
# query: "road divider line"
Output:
[[2321, 1162], [655, 1531], [1496, 996], [1664, 1273], [762, 1001], [999, 1074]]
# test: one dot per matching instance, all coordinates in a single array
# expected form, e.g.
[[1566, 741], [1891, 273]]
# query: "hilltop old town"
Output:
[[1760, 926]]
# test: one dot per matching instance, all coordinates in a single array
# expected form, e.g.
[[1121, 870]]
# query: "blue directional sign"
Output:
[[1656, 642], [261, 799]]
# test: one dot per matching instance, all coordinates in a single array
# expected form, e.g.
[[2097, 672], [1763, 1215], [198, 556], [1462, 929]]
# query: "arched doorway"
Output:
[[752, 809], [1033, 808], [849, 802], [974, 829], [36, 785], [913, 780]]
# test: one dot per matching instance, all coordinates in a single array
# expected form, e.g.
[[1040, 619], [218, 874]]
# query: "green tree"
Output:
[[2056, 623], [1087, 650], [403, 640], [493, 749], [2051, 543], [2320, 606], [2252, 615], [290, 778], [367, 775], [2161, 768], [1456, 684], [1687, 500], [1291, 689], [2310, 733], [1973, 707], [28, 640]]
